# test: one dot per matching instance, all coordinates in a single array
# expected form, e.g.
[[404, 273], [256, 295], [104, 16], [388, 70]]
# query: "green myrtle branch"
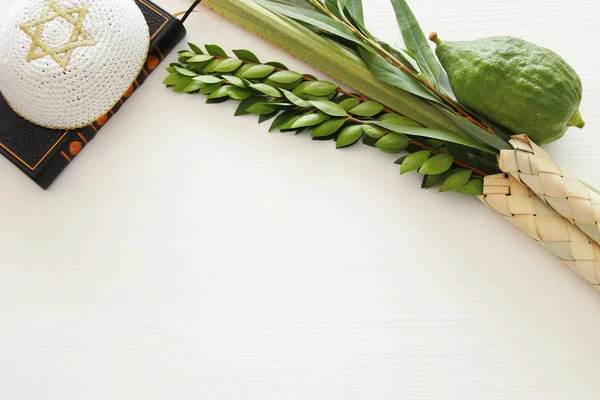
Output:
[[300, 103]]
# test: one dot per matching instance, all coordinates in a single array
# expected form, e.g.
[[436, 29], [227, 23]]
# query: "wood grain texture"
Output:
[[190, 255]]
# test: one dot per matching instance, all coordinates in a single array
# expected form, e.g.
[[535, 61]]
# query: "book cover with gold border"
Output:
[[44, 153]]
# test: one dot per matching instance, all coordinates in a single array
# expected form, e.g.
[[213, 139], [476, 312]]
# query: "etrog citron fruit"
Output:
[[515, 84]]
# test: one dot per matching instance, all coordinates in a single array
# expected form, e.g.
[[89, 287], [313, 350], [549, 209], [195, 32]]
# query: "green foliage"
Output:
[[299, 103]]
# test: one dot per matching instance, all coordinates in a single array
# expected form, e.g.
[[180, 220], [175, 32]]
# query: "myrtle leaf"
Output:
[[437, 164], [320, 88], [393, 142], [414, 161], [330, 108], [215, 50], [265, 117], [396, 119], [195, 48], [172, 79], [260, 108], [348, 136], [223, 91], [310, 120], [229, 65], [245, 104], [349, 103], [258, 71], [374, 131], [456, 180], [266, 89], [328, 128], [246, 55], [200, 58], [208, 79], [193, 86], [473, 187], [296, 100], [299, 90], [234, 80], [281, 119], [238, 93], [285, 77], [185, 72], [367, 109]]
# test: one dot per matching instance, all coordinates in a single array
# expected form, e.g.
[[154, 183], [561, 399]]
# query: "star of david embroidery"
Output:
[[61, 54]]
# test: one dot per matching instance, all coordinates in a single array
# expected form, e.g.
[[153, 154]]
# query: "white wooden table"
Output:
[[187, 254]]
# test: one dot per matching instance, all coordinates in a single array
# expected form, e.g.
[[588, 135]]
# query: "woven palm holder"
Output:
[[571, 198]]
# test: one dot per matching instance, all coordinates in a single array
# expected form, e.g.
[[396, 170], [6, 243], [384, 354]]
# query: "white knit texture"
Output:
[[89, 53]]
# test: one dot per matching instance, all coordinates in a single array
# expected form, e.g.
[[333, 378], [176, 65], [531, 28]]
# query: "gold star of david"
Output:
[[62, 53]]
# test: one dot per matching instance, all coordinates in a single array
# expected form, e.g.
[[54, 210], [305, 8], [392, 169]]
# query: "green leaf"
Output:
[[373, 131], [388, 73], [215, 50], [310, 120], [193, 86], [238, 93], [349, 103], [223, 91], [200, 58], [296, 100], [473, 188], [367, 109], [394, 142], [260, 109], [287, 125], [208, 89], [355, 8], [430, 181], [246, 55], [245, 104], [185, 72], [299, 90], [330, 108], [210, 67], [266, 117], [437, 164], [414, 161], [415, 40], [266, 89], [182, 84], [313, 18], [195, 48], [476, 133], [285, 77], [281, 119], [172, 79], [348, 136], [229, 65], [328, 128], [258, 71], [434, 134], [456, 180], [277, 65], [396, 119], [234, 80], [320, 88], [208, 79]]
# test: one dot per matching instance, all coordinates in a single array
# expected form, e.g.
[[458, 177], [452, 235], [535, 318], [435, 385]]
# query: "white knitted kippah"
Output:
[[65, 63]]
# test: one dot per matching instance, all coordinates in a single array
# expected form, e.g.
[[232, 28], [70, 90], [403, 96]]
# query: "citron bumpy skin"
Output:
[[515, 84]]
